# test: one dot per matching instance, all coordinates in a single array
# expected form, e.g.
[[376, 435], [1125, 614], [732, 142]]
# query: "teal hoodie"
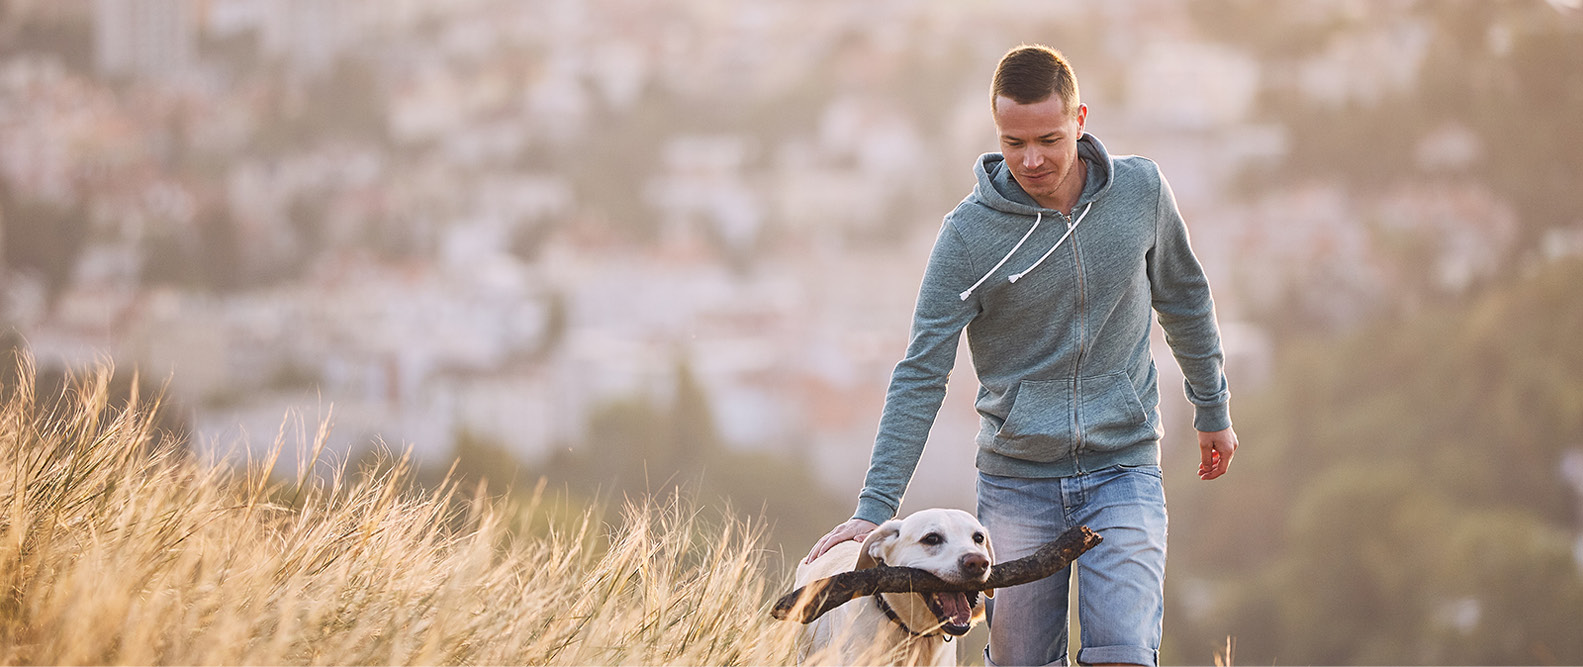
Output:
[[1057, 314]]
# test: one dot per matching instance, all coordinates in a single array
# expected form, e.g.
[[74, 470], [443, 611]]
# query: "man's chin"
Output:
[[1035, 187], [1040, 195]]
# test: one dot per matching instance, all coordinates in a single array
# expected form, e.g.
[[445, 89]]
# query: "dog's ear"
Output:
[[990, 547], [874, 546]]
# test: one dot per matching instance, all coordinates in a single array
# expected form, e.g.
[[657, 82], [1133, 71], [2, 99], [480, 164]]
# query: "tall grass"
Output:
[[117, 546]]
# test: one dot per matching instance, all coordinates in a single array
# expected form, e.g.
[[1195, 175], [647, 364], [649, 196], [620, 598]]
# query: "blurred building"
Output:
[[24, 12], [310, 36], [144, 38]]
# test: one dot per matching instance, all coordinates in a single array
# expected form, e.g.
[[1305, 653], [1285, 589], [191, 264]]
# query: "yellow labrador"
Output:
[[951, 544]]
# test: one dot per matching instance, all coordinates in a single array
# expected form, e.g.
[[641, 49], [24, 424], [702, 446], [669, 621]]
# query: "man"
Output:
[[1053, 265]]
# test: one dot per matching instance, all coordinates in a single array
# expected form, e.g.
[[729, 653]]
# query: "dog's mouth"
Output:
[[955, 610]]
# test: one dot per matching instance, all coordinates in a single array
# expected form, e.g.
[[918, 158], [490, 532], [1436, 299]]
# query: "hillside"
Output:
[[1402, 494]]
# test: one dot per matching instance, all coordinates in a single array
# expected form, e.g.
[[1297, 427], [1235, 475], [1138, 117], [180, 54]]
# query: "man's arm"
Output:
[[917, 387], [1181, 297]]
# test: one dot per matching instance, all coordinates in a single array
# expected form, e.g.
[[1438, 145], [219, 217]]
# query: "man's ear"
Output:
[[876, 544]]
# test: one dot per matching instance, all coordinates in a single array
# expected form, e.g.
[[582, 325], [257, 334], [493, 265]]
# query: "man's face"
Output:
[[1039, 141]]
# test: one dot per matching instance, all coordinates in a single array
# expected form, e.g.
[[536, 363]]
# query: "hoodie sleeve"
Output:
[[1187, 313], [917, 386]]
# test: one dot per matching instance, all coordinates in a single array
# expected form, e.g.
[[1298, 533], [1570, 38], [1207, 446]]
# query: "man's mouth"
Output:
[[955, 610]]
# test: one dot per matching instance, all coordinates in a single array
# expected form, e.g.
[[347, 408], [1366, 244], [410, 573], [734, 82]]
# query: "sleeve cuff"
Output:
[[1211, 418], [873, 511]]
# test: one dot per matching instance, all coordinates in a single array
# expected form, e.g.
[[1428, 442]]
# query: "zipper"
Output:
[[1082, 350]]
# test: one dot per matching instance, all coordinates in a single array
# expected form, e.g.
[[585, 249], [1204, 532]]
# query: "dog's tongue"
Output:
[[955, 607]]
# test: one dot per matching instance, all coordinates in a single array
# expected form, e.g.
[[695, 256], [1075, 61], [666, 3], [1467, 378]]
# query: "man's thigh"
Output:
[[1027, 623], [1121, 582]]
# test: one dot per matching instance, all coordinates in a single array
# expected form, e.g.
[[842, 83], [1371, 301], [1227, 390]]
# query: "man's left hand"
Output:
[[1215, 449]]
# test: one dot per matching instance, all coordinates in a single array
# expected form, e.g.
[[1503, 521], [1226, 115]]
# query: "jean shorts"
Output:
[[1121, 582]]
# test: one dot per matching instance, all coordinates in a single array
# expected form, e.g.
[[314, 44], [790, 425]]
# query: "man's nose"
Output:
[[1031, 159], [973, 565]]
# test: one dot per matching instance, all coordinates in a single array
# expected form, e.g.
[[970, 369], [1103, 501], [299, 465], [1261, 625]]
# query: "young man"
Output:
[[1053, 265]]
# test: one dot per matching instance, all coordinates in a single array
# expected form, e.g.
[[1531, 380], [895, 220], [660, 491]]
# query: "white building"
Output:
[[153, 38]]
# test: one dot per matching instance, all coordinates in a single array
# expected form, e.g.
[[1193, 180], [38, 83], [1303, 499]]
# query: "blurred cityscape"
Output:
[[491, 220], [491, 217]]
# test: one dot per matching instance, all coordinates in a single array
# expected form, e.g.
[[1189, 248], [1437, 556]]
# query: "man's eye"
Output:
[[932, 539]]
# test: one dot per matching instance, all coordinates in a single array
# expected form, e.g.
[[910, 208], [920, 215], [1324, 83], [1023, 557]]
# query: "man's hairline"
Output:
[[994, 103]]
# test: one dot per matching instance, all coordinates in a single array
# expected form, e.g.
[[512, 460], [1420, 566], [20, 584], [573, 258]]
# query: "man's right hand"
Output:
[[853, 529]]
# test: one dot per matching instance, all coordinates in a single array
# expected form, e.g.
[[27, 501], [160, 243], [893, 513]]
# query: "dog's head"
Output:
[[950, 544]]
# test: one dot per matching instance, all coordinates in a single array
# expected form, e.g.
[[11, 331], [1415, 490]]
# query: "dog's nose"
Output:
[[974, 565]]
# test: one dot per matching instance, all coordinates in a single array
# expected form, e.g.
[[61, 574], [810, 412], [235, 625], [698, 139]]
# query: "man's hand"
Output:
[[1215, 449], [853, 529]]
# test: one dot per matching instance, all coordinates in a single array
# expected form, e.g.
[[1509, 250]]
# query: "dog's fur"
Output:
[[951, 544]]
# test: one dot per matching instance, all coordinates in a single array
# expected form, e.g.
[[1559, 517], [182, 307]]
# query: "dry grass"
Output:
[[1226, 656], [117, 549]]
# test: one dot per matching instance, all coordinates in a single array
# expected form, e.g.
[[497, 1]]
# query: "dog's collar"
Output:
[[879, 599]]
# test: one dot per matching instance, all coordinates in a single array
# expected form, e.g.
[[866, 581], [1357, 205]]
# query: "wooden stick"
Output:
[[812, 601]]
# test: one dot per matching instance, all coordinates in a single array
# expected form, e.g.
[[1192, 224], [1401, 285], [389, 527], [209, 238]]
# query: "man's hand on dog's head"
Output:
[[853, 529]]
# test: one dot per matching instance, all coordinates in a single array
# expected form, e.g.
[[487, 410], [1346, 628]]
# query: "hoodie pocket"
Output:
[[1039, 425], [1111, 413]]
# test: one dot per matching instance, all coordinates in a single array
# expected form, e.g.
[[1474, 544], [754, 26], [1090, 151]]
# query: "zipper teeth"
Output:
[[1082, 347]]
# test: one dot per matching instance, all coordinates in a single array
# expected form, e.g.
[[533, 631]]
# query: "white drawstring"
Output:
[[1069, 229], [1002, 261], [1016, 276]]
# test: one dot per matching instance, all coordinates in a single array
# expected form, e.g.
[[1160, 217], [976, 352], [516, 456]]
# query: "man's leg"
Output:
[[1027, 623], [1121, 582]]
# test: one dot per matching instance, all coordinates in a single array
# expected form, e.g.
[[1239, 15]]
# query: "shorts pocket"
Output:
[[1039, 425]]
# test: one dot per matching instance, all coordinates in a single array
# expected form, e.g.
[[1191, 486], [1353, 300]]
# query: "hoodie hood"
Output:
[[998, 190]]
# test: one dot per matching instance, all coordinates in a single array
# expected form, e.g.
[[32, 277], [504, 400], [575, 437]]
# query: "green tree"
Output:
[[637, 447], [41, 237], [1400, 498]]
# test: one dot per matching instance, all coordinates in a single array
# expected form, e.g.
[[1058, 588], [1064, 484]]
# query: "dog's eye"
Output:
[[978, 538], [932, 539]]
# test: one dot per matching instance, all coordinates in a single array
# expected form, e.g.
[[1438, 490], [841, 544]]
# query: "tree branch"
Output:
[[812, 601]]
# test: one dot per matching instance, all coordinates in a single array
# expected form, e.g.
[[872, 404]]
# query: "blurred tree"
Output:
[[307, 213], [556, 321], [68, 36], [12, 347], [694, 437], [221, 257], [168, 260], [1401, 498], [479, 457], [635, 447], [347, 104], [41, 237], [1513, 590]]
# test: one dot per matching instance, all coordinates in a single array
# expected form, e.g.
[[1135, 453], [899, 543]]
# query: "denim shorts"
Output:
[[1121, 582]]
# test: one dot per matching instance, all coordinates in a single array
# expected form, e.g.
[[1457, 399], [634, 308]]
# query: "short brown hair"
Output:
[[1032, 73]]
